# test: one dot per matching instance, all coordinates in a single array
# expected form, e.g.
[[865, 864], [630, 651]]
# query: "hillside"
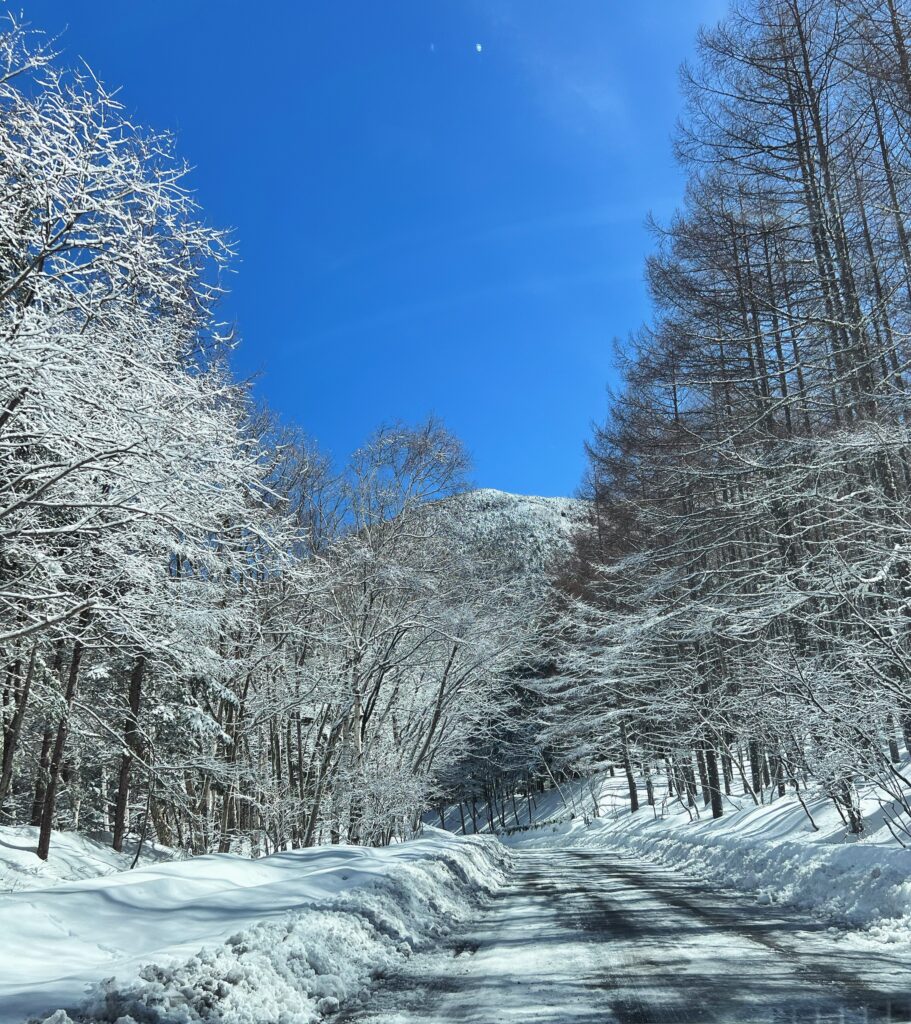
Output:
[[524, 534]]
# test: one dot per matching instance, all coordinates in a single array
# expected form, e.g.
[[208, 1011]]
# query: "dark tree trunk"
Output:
[[130, 750], [649, 787], [44, 760], [894, 753], [727, 768], [56, 761], [703, 778], [714, 783], [628, 768], [756, 768], [13, 730]]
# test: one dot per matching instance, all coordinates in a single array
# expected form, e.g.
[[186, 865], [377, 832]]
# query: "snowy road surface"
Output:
[[582, 937]]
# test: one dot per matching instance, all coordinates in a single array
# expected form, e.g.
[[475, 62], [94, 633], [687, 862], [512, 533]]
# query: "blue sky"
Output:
[[422, 226]]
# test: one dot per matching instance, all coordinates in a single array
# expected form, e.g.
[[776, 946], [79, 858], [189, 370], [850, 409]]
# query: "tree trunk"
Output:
[[14, 728], [56, 761], [44, 760], [756, 769], [703, 778], [130, 750], [711, 770], [628, 768], [649, 787]]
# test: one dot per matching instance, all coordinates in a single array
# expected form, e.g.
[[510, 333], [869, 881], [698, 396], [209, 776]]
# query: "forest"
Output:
[[213, 638], [210, 637], [738, 614]]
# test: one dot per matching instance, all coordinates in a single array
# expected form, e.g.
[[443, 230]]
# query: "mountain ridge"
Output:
[[527, 534]]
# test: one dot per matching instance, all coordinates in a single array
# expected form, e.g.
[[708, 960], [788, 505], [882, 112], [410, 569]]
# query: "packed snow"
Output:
[[598, 937], [221, 938], [770, 850], [297, 936]]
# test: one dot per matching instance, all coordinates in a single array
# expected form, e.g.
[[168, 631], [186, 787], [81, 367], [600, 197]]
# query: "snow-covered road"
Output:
[[580, 936]]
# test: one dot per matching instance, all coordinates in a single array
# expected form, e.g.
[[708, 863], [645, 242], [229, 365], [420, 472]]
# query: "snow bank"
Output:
[[770, 850], [73, 857], [285, 939]]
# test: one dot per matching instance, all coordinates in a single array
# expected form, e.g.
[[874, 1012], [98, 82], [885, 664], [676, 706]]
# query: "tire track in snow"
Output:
[[581, 937]]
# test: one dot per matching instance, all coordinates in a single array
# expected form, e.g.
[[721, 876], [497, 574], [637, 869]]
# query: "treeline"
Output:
[[208, 637], [739, 613]]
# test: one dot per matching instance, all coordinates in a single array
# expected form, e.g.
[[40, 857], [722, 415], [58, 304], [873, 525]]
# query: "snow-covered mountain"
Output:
[[523, 533]]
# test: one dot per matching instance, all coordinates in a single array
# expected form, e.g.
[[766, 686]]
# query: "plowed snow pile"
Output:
[[285, 939]]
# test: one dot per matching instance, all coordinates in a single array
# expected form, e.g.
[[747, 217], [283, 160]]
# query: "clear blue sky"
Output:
[[422, 227]]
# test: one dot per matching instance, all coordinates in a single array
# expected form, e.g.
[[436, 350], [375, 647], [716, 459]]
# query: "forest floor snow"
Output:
[[229, 940], [73, 857]]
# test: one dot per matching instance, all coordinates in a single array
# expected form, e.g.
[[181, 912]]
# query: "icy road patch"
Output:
[[580, 937]]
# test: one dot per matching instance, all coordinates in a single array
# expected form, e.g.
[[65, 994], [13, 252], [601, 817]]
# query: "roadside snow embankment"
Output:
[[769, 849], [285, 939]]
